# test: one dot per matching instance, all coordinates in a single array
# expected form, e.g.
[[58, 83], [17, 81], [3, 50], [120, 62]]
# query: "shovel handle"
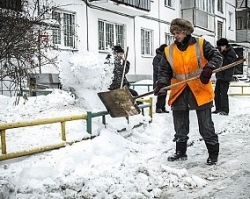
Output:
[[124, 67], [193, 78], [229, 66], [168, 87]]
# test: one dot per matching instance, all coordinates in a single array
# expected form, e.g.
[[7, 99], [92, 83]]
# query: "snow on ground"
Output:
[[115, 166], [131, 164]]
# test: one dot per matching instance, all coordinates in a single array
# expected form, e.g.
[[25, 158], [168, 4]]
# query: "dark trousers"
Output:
[[221, 96], [161, 102], [206, 126]]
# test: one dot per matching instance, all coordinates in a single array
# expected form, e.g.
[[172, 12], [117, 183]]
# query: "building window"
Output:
[[219, 29], [11, 4], [239, 23], [230, 20], [65, 35], [110, 34], [169, 39], [207, 6], [220, 5], [169, 3], [146, 42]]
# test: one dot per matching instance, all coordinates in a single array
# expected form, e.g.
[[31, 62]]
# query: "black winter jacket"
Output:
[[229, 56], [118, 71], [156, 65], [187, 100]]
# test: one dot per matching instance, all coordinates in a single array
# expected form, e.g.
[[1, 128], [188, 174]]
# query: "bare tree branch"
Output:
[[21, 50]]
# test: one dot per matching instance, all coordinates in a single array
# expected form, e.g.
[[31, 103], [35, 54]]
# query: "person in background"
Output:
[[161, 99], [223, 78], [190, 57], [119, 60]]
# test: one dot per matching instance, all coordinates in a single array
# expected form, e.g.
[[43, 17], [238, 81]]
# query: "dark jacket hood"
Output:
[[157, 51]]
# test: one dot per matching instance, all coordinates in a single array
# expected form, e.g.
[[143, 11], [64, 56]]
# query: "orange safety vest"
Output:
[[187, 64]]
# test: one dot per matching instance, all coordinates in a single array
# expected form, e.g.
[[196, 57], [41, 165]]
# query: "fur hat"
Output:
[[222, 42], [162, 47], [180, 24], [118, 49]]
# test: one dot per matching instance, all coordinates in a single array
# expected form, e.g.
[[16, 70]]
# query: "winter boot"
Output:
[[164, 110], [180, 154], [158, 110], [216, 111], [213, 151]]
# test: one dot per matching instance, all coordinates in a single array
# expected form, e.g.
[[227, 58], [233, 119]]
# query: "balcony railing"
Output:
[[139, 4], [12, 5], [129, 7], [199, 18]]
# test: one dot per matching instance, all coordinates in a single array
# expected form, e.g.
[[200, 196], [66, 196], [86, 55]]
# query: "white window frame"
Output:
[[219, 29], [146, 42], [169, 38], [169, 3], [205, 5], [220, 6], [64, 36], [110, 34]]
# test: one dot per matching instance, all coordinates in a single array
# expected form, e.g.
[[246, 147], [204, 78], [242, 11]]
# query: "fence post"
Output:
[[63, 131], [104, 119], [3, 141], [89, 122], [151, 107]]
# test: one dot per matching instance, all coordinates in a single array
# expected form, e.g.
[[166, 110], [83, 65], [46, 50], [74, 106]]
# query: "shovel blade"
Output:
[[119, 102]]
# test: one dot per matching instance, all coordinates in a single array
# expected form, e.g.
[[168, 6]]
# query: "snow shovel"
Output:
[[116, 101], [120, 103]]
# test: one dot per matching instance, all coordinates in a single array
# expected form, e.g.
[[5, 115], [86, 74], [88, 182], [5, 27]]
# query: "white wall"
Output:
[[158, 20], [230, 32], [144, 63], [228, 6]]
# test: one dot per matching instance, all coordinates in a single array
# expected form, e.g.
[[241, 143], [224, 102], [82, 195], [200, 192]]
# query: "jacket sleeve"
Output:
[[127, 67], [212, 55], [156, 66], [165, 71]]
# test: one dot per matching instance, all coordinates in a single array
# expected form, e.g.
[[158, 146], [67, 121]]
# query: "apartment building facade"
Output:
[[141, 25]]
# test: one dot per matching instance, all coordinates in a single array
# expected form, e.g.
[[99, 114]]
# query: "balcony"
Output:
[[243, 26], [200, 18], [241, 4], [128, 7]]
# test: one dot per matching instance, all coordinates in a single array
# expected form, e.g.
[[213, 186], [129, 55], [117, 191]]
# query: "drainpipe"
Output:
[[134, 47], [87, 24], [159, 24]]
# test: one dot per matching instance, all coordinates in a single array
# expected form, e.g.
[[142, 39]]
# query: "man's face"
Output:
[[120, 55], [179, 35], [223, 48]]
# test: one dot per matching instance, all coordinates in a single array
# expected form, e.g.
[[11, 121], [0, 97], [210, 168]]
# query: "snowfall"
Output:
[[119, 160]]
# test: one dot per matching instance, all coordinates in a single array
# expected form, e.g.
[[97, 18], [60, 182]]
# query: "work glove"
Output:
[[158, 89], [206, 73]]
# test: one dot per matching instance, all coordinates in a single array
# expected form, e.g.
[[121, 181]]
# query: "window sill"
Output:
[[60, 47], [147, 56], [172, 8]]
